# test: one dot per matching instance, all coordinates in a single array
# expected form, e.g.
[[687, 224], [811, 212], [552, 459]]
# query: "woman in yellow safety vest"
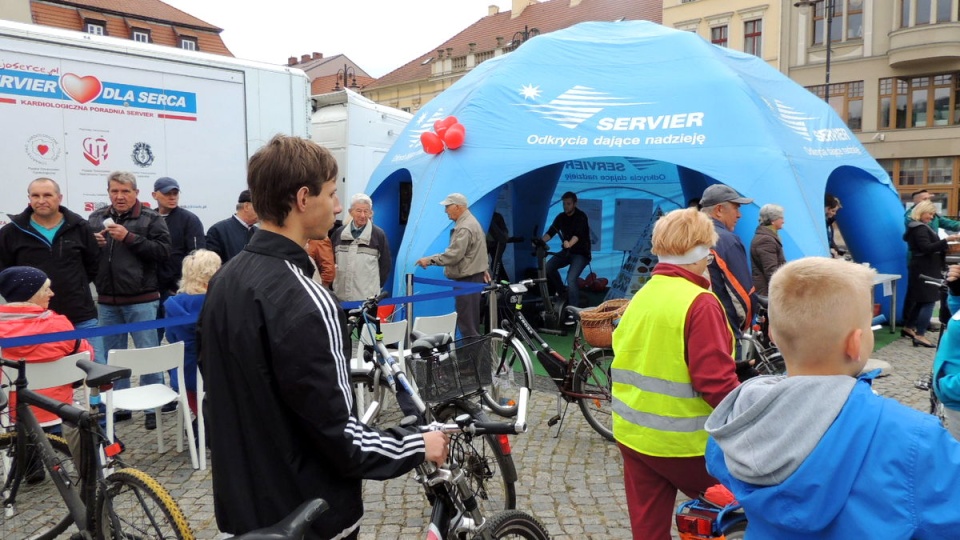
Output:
[[673, 364]]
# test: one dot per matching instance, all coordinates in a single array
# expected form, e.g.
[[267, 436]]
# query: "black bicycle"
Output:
[[757, 350], [99, 496]]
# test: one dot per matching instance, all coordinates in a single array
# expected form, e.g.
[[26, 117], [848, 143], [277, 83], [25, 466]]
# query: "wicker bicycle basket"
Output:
[[460, 371], [597, 323]]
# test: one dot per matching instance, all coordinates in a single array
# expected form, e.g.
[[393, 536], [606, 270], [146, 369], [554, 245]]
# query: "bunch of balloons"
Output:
[[447, 133]]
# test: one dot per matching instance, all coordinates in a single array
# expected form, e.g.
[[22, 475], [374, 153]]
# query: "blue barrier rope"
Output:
[[459, 288]]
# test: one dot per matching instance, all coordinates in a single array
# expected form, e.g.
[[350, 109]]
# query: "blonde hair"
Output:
[[923, 207], [682, 230], [198, 268], [815, 303]]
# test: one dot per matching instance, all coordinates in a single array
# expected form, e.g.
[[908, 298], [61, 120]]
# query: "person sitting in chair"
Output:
[[574, 229]]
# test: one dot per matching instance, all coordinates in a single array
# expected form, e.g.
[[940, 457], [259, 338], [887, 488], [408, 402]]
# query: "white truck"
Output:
[[358, 132], [75, 107]]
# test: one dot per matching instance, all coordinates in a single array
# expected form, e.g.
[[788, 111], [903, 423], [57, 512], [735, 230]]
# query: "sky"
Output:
[[377, 35]]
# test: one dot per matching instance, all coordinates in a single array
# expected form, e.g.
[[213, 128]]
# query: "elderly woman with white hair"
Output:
[[766, 249]]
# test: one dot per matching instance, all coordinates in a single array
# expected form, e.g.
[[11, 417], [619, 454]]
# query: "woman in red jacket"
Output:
[[27, 292]]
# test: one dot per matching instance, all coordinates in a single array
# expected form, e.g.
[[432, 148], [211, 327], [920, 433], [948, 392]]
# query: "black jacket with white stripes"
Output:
[[282, 420]]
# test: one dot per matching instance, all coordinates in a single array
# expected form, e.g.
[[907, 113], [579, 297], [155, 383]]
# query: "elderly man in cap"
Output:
[[186, 236], [465, 259], [729, 274], [228, 237]]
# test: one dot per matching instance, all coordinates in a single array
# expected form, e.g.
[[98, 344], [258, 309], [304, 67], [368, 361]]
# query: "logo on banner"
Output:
[[424, 123], [81, 89], [792, 119], [42, 148], [95, 150], [573, 107], [142, 155], [90, 206]]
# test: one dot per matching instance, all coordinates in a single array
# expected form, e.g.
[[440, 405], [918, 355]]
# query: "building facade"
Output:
[[744, 25], [147, 21], [414, 84]]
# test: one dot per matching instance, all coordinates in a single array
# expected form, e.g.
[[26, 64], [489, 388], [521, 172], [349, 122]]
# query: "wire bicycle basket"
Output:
[[461, 370]]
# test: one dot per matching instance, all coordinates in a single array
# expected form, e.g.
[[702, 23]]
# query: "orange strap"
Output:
[[744, 295]]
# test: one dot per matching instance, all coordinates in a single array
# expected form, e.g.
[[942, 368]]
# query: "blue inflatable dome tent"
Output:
[[646, 116]]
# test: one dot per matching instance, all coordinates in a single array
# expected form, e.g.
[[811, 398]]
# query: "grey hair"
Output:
[[122, 177], [361, 198], [770, 213], [56, 186]]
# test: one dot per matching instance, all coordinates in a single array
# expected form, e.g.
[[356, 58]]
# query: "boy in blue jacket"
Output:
[[816, 454], [946, 366]]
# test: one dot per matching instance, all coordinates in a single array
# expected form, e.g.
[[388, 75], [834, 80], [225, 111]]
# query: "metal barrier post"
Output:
[[409, 305], [492, 315]]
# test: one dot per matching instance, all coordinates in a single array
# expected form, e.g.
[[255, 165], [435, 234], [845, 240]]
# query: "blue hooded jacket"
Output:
[[821, 457], [181, 305]]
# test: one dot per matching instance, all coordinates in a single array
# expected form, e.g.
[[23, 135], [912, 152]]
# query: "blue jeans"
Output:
[[577, 263], [924, 314], [113, 315], [95, 342]]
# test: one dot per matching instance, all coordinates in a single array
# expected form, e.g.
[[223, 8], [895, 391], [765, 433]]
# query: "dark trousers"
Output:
[[651, 485], [468, 308], [577, 263]]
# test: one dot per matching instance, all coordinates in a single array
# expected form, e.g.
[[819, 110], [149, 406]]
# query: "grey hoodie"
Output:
[[748, 425]]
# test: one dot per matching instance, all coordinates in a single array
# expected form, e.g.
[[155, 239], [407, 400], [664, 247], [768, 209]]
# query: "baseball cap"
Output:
[[454, 198], [165, 184], [719, 193], [245, 196]]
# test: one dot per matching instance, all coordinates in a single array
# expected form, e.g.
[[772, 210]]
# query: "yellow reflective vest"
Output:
[[656, 411]]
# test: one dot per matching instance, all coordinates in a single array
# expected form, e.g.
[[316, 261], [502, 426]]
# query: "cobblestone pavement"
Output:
[[572, 483]]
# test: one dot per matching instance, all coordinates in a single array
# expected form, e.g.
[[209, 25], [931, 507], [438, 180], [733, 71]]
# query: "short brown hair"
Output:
[[280, 168], [682, 230], [815, 302]]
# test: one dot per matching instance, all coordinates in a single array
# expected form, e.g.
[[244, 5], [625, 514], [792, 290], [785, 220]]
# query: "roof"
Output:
[[165, 23], [326, 83], [543, 16]]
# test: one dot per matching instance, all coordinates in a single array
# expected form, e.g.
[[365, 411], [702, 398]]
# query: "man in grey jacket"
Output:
[[465, 259], [362, 252]]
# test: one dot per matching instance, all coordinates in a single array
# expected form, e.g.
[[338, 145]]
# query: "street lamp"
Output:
[[523, 35], [806, 6], [346, 73]]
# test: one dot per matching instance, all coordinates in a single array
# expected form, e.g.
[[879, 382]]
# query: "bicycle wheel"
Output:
[[512, 524], [367, 390], [592, 378], [40, 511], [511, 371], [134, 505], [486, 462]]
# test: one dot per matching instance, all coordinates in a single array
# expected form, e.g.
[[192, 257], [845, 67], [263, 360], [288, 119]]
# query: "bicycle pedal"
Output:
[[553, 421]]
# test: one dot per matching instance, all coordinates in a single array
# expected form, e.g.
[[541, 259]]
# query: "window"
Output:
[[846, 14], [95, 27], [847, 100], [188, 43], [916, 102], [937, 11], [943, 11], [752, 33], [938, 174], [718, 35], [854, 19], [143, 36]]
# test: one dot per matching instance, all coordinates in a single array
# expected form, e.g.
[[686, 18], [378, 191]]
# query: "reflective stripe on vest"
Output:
[[656, 411]]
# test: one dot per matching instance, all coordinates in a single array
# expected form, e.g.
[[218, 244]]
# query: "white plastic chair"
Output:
[[42, 375], [438, 324], [152, 396], [394, 336]]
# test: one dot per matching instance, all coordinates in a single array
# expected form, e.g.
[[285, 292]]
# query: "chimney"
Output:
[[317, 55], [305, 58], [519, 6], [493, 9], [292, 61], [575, 3]]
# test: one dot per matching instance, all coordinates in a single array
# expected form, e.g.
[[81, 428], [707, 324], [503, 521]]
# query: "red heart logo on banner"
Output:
[[81, 89], [43, 149]]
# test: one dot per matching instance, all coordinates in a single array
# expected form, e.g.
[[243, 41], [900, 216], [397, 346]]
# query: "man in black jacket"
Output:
[[226, 238], [133, 239], [186, 236], [283, 417], [50, 237]]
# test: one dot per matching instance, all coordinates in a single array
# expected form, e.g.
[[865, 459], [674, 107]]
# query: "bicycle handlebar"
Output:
[[476, 428]]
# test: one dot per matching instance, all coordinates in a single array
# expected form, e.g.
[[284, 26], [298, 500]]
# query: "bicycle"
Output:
[[293, 527], [583, 377], [757, 347], [704, 518], [489, 463], [926, 383], [123, 503]]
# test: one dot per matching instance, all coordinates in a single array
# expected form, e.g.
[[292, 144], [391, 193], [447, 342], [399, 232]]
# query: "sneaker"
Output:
[[169, 407], [122, 416], [150, 421]]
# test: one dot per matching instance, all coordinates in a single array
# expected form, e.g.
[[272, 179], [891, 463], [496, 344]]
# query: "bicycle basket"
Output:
[[456, 373], [597, 323]]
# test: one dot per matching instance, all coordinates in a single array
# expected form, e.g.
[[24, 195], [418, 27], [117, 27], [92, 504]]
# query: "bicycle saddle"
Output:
[[101, 374], [574, 312], [293, 526], [425, 344]]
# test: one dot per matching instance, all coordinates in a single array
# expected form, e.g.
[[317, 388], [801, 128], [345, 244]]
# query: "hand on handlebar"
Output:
[[437, 446]]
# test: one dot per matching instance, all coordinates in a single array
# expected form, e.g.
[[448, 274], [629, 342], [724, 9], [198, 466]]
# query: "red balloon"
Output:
[[438, 124], [450, 120], [431, 142], [454, 136]]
